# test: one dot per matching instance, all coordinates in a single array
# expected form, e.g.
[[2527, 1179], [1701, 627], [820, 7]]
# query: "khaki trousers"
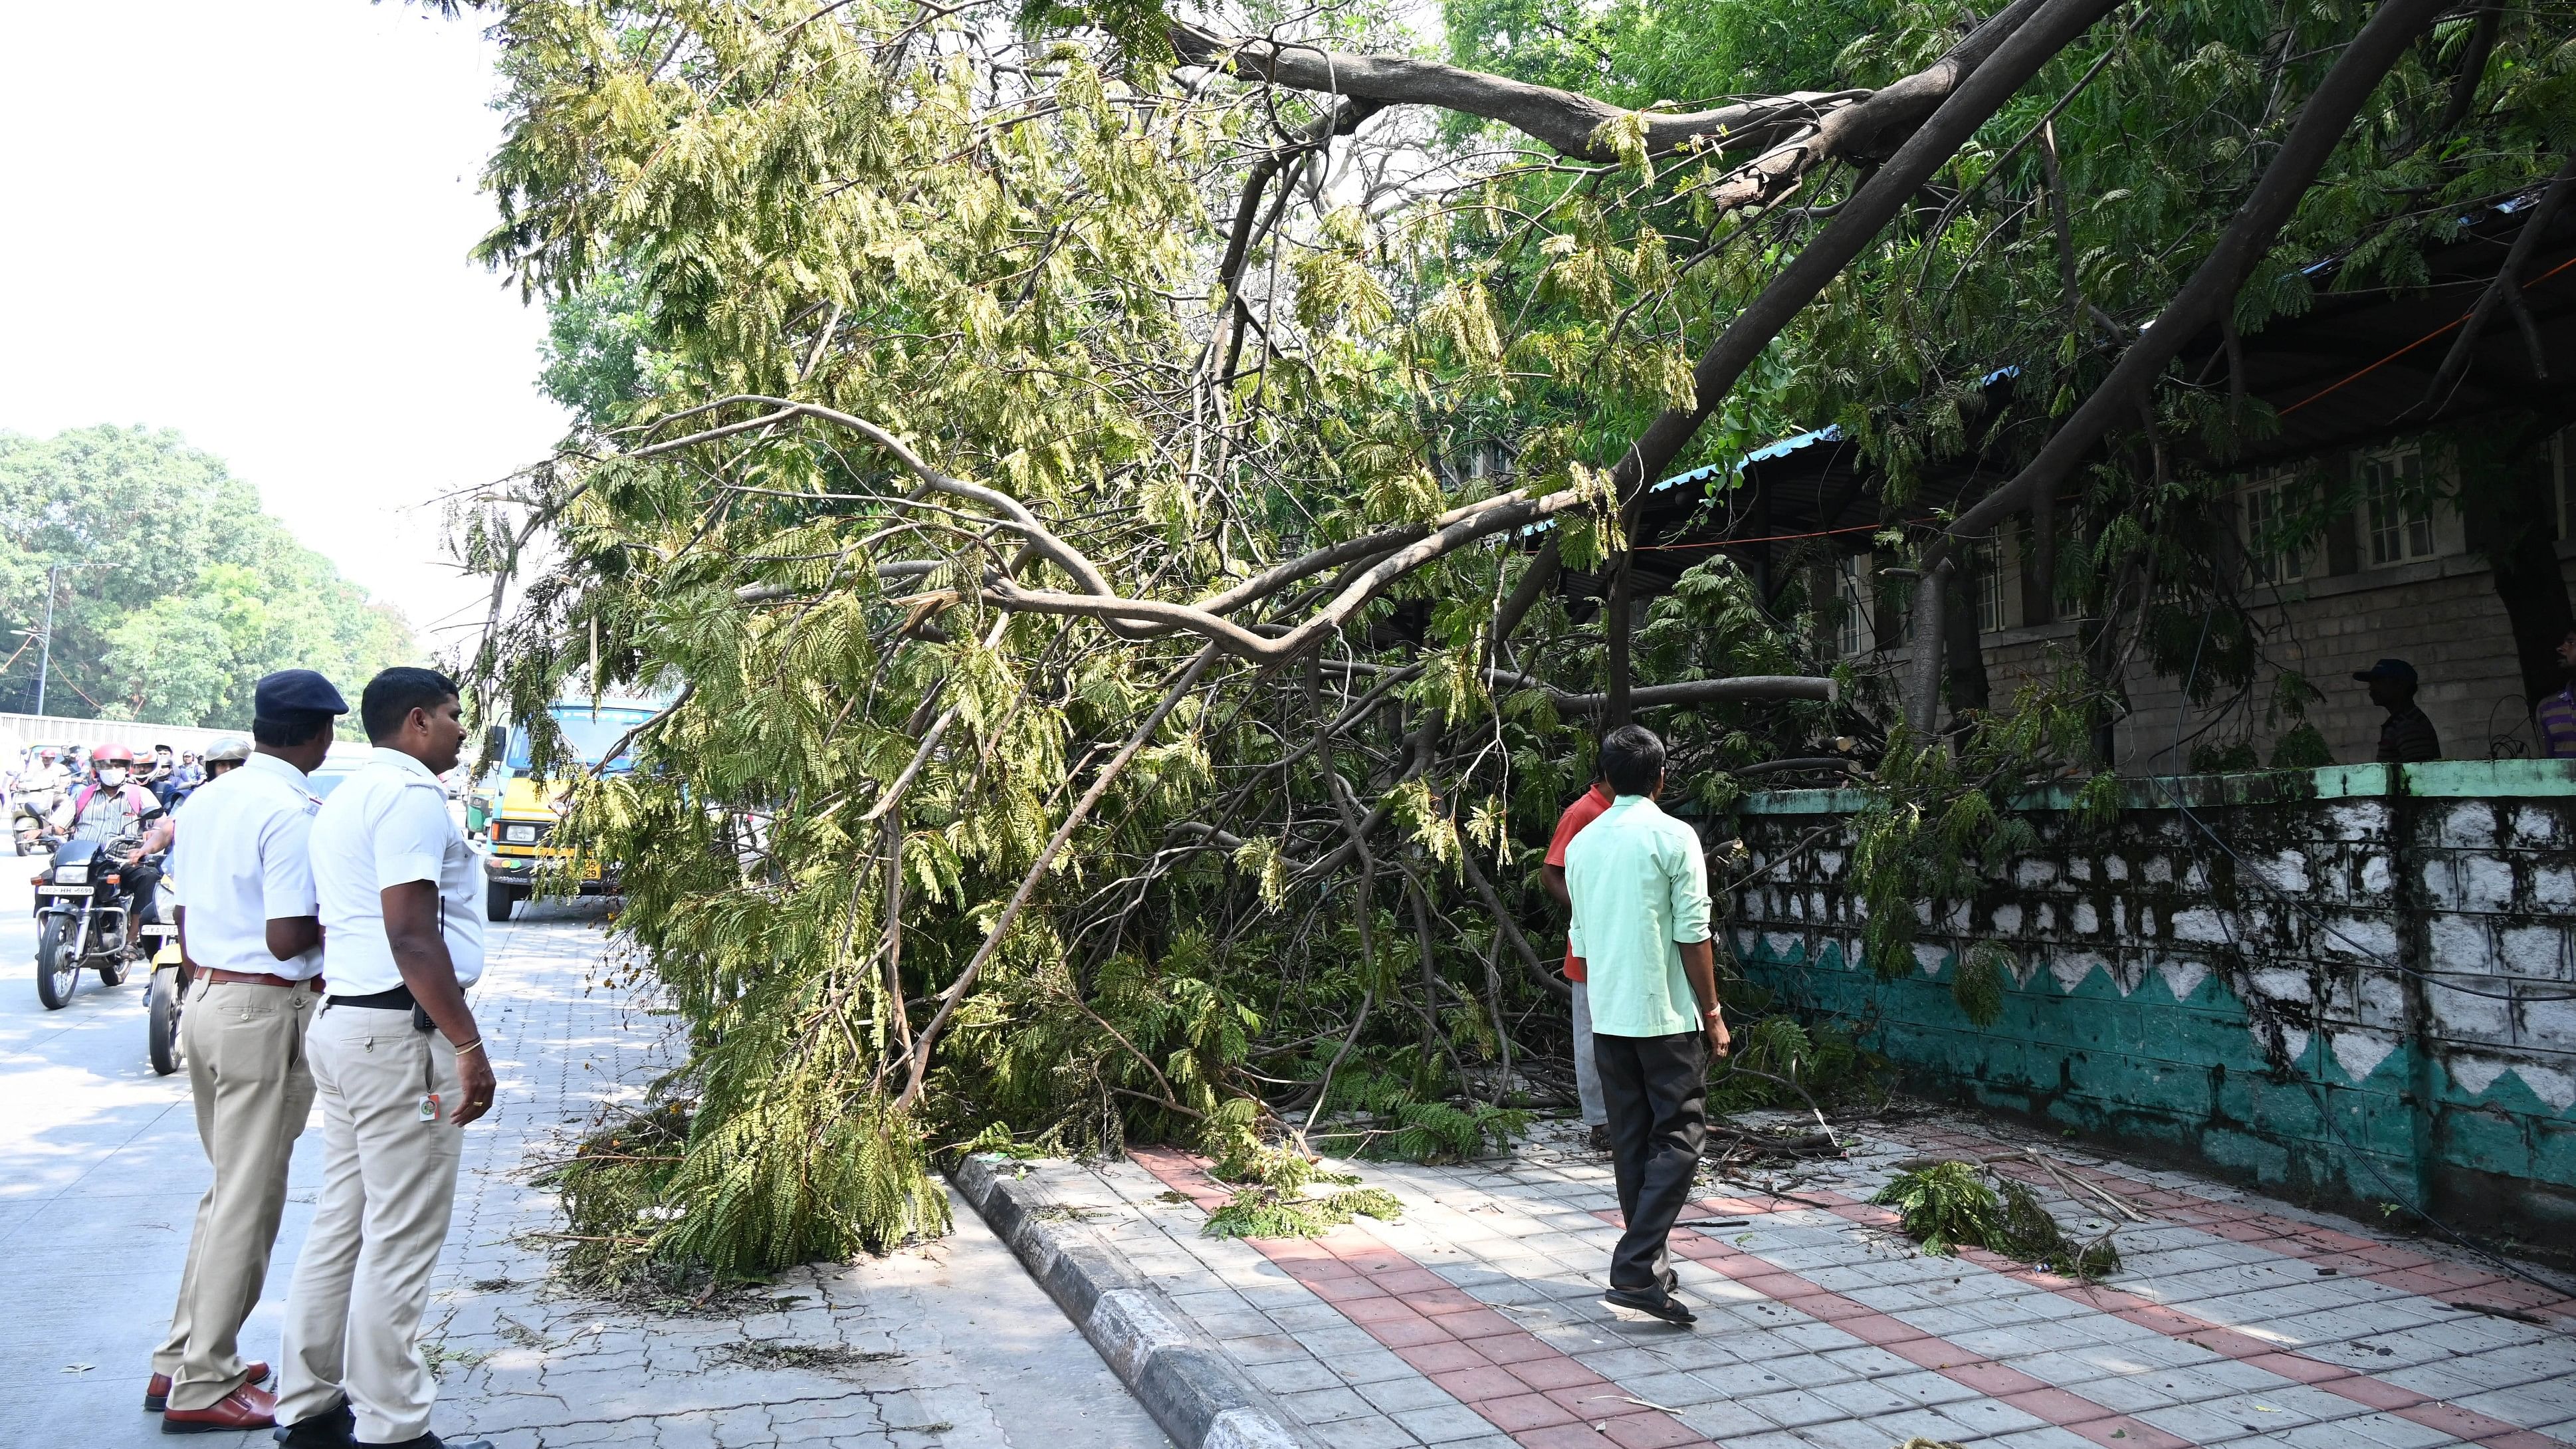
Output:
[[388, 1184], [246, 1065]]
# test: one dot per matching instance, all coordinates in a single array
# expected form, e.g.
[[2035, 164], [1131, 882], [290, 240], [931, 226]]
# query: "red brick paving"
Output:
[[2324, 1247], [2337, 1379], [1518, 1382], [1964, 1366], [1545, 1399]]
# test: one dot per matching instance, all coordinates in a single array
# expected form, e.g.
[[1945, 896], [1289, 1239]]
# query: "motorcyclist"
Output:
[[161, 775], [226, 755], [42, 783], [112, 805]]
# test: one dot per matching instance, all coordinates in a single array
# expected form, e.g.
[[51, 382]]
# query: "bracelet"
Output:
[[475, 1045]]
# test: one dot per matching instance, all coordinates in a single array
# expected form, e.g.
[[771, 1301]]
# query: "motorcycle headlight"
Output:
[[519, 834], [72, 875]]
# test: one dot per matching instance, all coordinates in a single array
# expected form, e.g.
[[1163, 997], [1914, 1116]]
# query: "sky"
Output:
[[251, 223]]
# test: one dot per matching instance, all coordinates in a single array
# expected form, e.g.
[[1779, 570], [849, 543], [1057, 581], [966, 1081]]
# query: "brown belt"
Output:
[[256, 978]]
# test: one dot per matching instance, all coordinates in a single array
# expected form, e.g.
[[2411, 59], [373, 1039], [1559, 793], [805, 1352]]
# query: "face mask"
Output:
[[111, 777]]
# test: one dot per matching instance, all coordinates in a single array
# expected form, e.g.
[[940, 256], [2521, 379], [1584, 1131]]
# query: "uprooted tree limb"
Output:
[[1099, 702]]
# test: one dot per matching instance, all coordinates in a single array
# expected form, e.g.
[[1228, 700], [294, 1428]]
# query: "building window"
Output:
[[2397, 514], [1851, 588], [1988, 579], [2271, 515]]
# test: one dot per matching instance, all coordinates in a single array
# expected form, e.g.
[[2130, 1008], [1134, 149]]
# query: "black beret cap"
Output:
[[295, 691]]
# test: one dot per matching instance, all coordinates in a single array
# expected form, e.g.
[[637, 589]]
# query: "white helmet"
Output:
[[228, 750]]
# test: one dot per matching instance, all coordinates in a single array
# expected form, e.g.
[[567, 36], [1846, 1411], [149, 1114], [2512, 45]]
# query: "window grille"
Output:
[[2270, 511], [2395, 511]]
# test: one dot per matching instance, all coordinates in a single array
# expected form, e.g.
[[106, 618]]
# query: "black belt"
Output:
[[398, 999]]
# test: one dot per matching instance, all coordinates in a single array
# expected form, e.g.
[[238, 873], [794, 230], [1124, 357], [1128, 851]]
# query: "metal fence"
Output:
[[48, 729]]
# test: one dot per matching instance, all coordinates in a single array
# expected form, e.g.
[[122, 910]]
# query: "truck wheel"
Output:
[[497, 900], [165, 1020], [57, 972]]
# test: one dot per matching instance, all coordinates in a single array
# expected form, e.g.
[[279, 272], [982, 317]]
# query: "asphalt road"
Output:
[[100, 1170]]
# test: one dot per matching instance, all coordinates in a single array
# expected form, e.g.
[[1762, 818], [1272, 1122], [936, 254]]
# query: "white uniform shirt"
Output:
[[241, 861], [387, 825]]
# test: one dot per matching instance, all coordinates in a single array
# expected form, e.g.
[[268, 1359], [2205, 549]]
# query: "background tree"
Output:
[[177, 591]]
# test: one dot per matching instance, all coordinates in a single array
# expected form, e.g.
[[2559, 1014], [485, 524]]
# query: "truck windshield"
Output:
[[587, 734]]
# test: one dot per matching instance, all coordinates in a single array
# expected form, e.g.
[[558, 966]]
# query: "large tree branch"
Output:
[[2505, 290], [1481, 521], [1038, 868], [1789, 135], [1562, 120], [1735, 689], [2213, 288], [2038, 33]]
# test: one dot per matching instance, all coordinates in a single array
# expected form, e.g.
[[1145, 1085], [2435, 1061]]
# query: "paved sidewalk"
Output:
[[951, 1344], [1476, 1321]]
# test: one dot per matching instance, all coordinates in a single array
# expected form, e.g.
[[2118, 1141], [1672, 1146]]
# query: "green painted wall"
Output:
[[2351, 985]]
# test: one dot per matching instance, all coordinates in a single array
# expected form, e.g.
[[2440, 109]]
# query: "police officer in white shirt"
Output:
[[399, 1066], [251, 942]]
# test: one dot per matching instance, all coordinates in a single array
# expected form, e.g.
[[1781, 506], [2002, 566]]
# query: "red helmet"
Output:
[[111, 755]]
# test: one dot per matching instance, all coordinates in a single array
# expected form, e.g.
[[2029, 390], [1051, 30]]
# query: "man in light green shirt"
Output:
[[1639, 889]]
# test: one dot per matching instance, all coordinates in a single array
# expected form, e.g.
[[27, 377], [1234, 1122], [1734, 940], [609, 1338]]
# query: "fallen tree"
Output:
[[1111, 695]]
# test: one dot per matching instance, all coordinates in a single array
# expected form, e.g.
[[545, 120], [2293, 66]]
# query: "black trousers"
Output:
[[142, 892], [1656, 1089]]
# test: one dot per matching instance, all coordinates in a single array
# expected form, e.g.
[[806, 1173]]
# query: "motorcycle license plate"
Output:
[[52, 890], [156, 931]]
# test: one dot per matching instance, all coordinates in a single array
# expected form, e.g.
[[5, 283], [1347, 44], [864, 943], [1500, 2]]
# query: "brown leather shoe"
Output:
[[244, 1408], [156, 1394]]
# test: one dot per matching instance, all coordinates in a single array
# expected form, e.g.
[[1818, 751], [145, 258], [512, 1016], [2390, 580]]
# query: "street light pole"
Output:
[[45, 656]]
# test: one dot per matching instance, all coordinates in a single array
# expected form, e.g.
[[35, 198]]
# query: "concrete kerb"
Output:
[[1190, 1388]]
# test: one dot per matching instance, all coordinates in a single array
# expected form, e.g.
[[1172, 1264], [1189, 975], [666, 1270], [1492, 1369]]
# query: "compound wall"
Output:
[[2352, 984]]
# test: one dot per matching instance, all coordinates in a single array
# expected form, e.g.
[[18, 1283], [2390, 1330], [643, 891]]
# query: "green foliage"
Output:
[[1977, 982], [1268, 1212], [1386, 1114], [2301, 747], [1948, 1206], [177, 592], [1778, 1061], [2211, 757], [1943, 1206]]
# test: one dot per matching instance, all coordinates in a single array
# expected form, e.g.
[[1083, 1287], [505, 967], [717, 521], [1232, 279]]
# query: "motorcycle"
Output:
[[82, 920], [165, 998], [31, 819]]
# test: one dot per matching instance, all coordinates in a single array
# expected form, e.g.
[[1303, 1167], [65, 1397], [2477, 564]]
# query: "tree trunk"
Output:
[[1616, 626], [2509, 517], [1929, 634], [2039, 578], [1964, 644]]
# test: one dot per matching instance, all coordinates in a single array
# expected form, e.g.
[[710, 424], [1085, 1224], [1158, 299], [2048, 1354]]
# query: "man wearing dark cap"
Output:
[[250, 939], [399, 1067], [2407, 738]]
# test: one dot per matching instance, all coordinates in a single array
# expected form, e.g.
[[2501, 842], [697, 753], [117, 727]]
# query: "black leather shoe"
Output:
[[1659, 1305], [336, 1429]]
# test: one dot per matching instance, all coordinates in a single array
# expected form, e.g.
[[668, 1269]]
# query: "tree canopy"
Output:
[[1138, 509], [176, 591]]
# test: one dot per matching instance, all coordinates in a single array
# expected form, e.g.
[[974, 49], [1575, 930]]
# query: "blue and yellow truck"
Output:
[[516, 814]]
